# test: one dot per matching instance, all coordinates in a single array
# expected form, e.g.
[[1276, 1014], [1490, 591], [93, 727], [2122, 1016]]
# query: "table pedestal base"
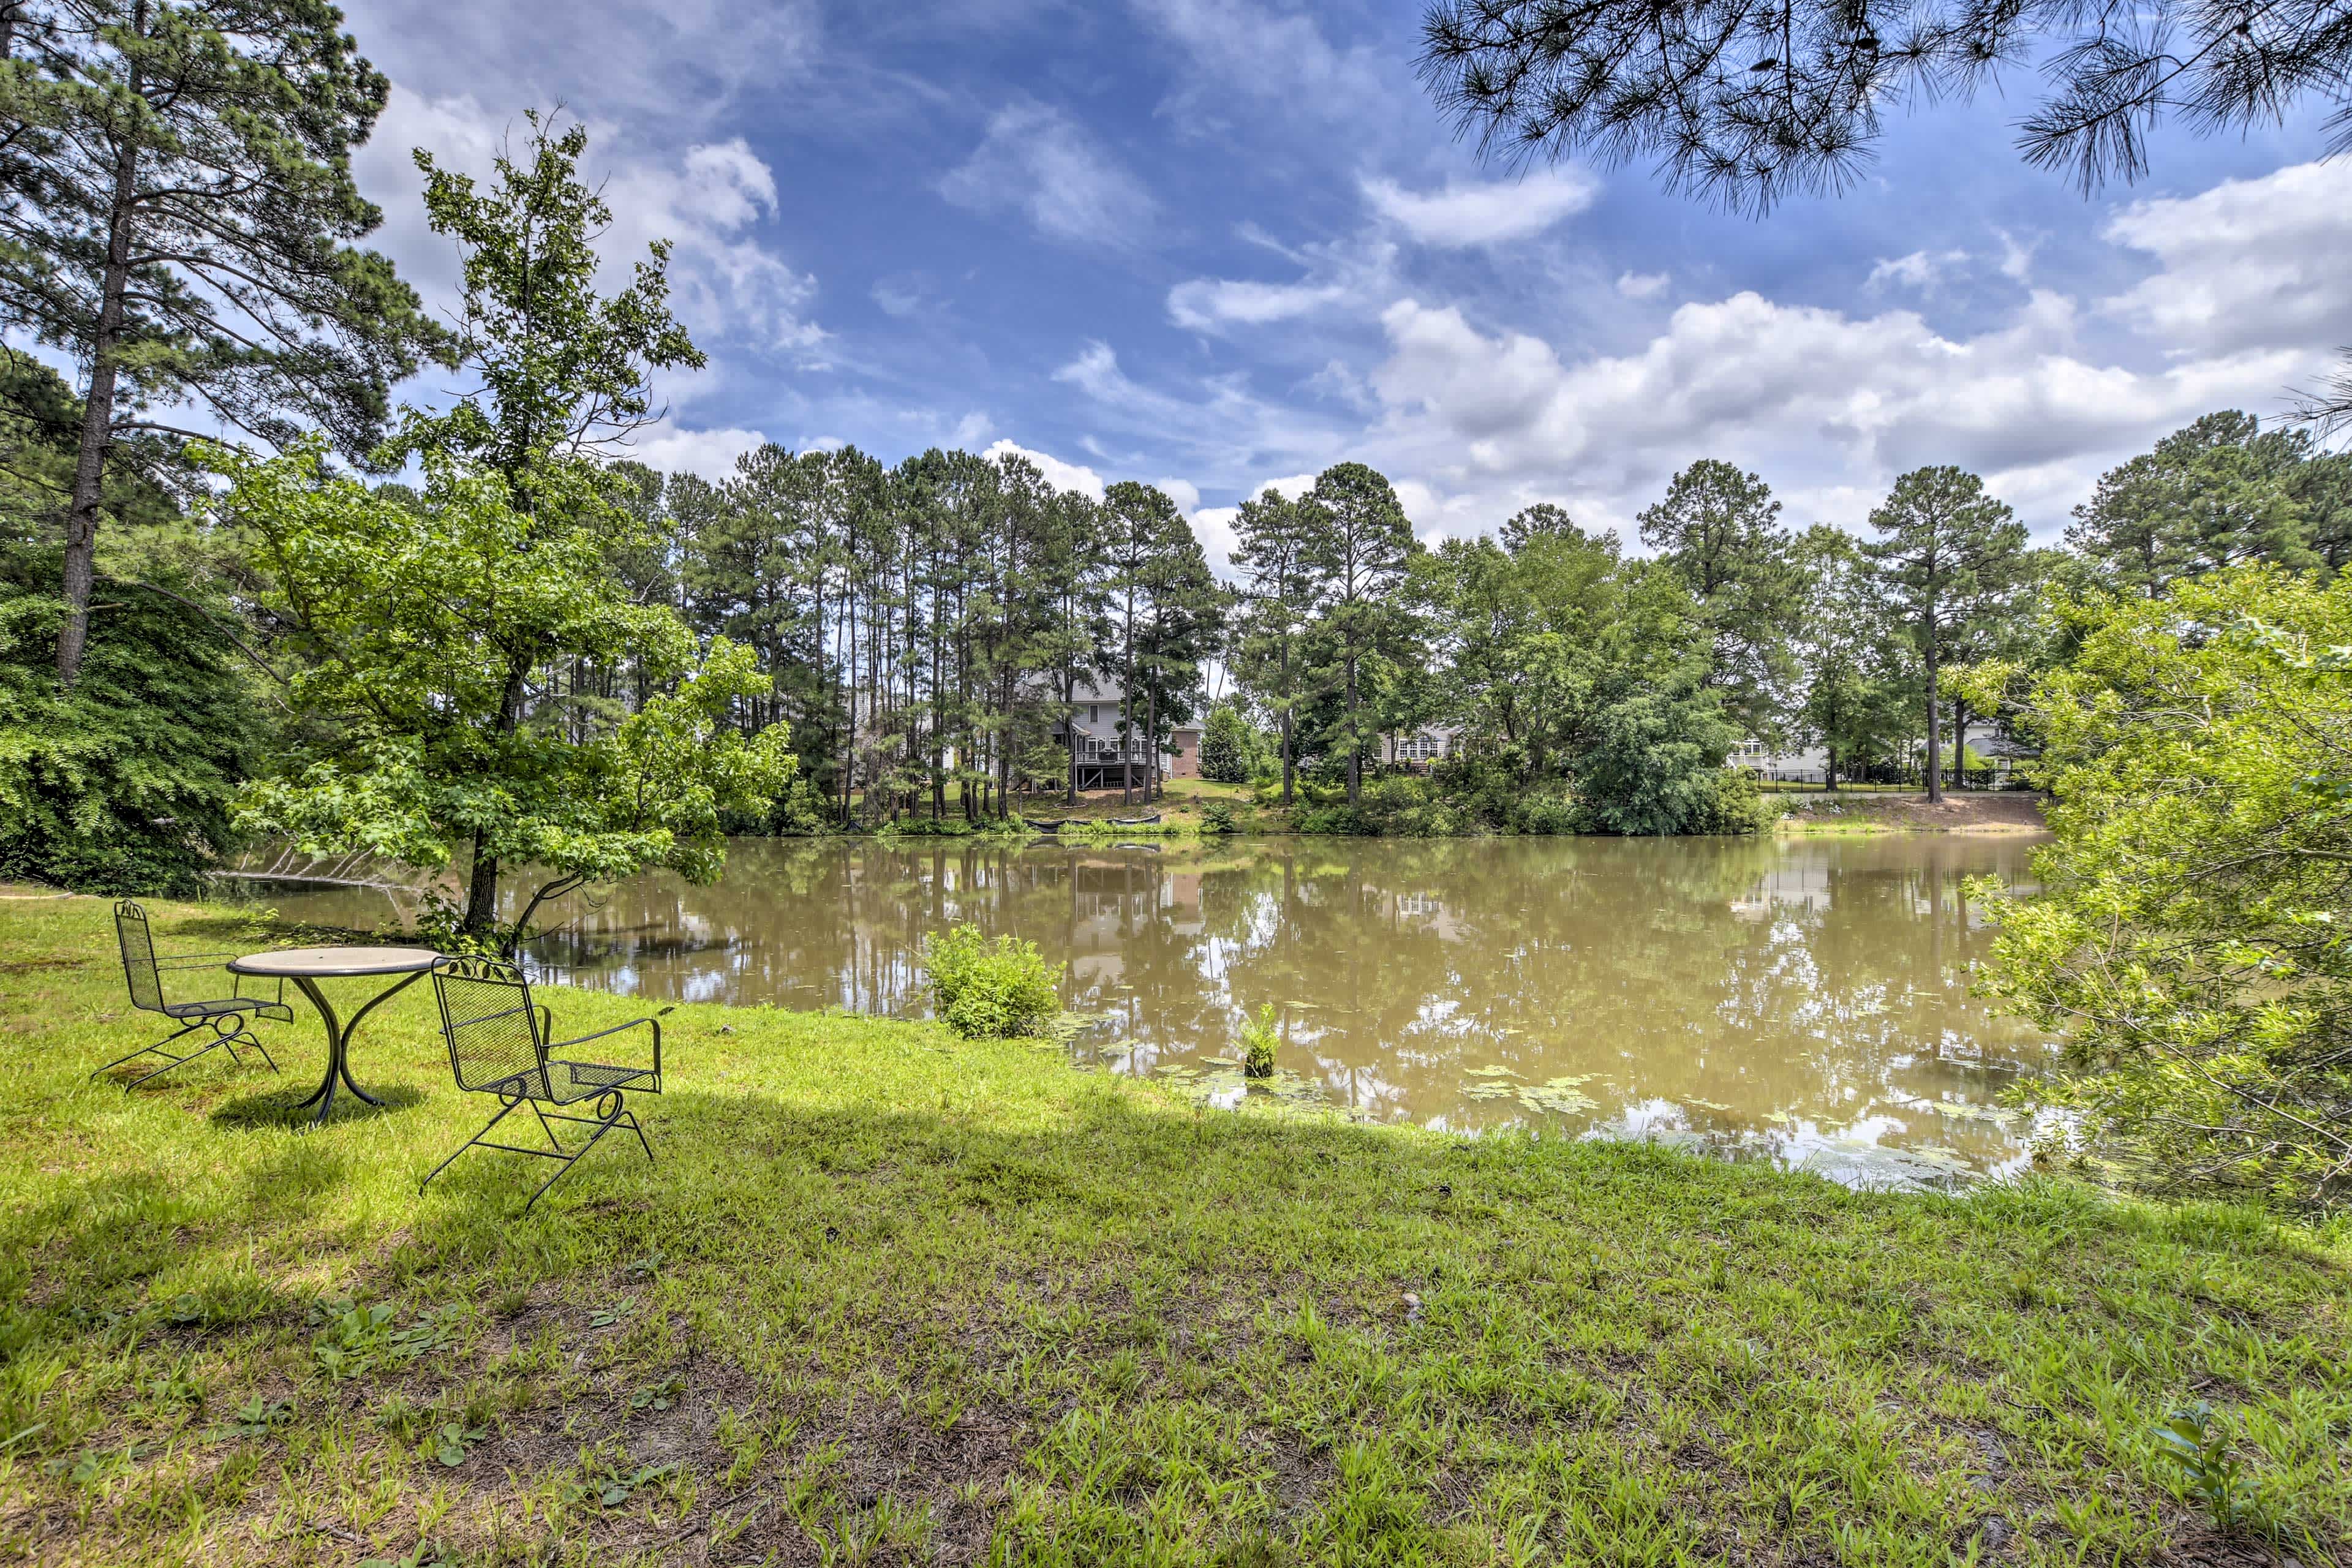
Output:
[[339, 1040]]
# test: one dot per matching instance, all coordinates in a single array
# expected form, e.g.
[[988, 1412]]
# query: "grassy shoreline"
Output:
[[1849, 811], [893, 1297]]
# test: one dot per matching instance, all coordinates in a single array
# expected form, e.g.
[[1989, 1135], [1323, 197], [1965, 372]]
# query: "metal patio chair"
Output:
[[498, 1045], [143, 972]]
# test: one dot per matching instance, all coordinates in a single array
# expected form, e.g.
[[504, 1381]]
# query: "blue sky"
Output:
[[1220, 244]]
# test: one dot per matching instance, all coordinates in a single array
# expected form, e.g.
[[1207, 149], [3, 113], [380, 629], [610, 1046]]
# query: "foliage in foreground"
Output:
[[120, 785], [991, 991], [891, 1297], [2192, 940]]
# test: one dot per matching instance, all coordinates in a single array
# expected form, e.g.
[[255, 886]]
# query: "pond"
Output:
[[1801, 1000]]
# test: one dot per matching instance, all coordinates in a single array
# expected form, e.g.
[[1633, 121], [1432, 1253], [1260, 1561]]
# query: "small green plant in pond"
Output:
[[2191, 1438], [991, 991], [1258, 1039]]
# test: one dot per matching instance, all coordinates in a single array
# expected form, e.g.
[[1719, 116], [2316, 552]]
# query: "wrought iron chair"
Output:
[[498, 1045], [227, 1016]]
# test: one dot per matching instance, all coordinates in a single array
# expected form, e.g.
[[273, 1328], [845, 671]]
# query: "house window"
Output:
[[1094, 714]]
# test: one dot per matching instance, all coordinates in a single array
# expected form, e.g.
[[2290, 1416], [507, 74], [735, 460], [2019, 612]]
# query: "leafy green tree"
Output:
[[1281, 588], [1230, 746], [177, 212], [2187, 944], [2217, 493], [1721, 528], [412, 617], [2321, 487], [1358, 543], [562, 371], [1946, 551], [1857, 695], [1651, 735], [1184, 614], [120, 785], [562, 375]]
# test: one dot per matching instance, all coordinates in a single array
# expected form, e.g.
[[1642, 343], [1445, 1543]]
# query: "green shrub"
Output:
[[1230, 748], [1543, 809], [991, 991], [120, 786], [1216, 817], [1737, 804]]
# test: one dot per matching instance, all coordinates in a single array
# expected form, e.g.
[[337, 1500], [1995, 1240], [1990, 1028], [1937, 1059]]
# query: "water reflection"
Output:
[[1807, 999]]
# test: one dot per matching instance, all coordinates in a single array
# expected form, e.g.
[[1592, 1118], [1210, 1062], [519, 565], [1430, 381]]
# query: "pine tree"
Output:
[[1720, 529], [1359, 542], [1281, 589], [177, 213], [1947, 551]]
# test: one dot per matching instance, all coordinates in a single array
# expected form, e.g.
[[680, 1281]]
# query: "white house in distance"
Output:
[[1810, 765], [1423, 747], [1104, 757]]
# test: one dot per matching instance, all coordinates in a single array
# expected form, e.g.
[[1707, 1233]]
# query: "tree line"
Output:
[[479, 627]]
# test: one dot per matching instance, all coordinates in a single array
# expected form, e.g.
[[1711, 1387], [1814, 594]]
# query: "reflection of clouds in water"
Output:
[[1702, 983]]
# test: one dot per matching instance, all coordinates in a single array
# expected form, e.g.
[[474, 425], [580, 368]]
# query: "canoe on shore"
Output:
[[1055, 827], [1135, 821]]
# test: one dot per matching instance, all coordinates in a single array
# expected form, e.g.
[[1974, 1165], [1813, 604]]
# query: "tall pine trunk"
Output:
[[1935, 726], [97, 402]]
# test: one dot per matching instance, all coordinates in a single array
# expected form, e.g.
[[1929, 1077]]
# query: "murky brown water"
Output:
[[1803, 999]]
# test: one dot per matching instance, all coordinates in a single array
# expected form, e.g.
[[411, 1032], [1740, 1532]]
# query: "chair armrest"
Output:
[[653, 1024], [194, 960]]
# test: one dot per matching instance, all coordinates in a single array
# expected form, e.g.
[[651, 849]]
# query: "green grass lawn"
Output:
[[892, 1298]]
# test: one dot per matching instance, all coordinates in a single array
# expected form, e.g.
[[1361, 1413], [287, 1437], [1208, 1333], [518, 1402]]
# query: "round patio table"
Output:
[[305, 966]]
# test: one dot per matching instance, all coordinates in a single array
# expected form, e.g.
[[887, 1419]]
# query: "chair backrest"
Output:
[[138, 957], [486, 1017]]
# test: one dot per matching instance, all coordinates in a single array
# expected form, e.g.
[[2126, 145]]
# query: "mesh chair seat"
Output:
[[224, 1005], [577, 1081], [498, 1045]]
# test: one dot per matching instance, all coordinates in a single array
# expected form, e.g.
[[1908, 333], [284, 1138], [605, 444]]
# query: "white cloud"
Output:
[[1791, 388], [1038, 161], [1062, 476], [1338, 278], [1461, 217], [606, 58], [1918, 270], [1278, 60], [2248, 264], [2016, 256], [1641, 285], [709, 203], [709, 453]]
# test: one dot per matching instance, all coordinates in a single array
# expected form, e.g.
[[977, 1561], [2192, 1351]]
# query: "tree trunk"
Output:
[[1935, 728], [1289, 701], [1070, 726], [482, 881], [1127, 712], [97, 402], [1960, 744], [1355, 751], [481, 892]]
